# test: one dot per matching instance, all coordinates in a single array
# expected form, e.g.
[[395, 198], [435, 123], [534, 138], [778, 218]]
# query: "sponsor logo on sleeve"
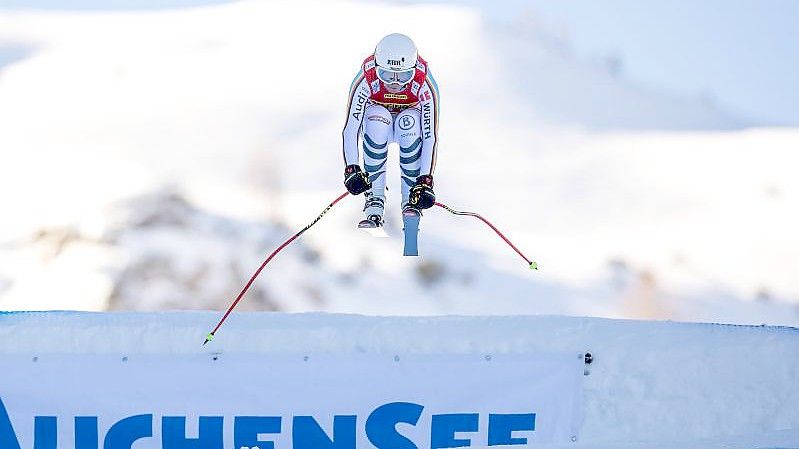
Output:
[[415, 88], [369, 65], [375, 86], [426, 115], [358, 104]]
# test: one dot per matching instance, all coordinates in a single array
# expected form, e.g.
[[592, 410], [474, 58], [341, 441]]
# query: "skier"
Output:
[[393, 98]]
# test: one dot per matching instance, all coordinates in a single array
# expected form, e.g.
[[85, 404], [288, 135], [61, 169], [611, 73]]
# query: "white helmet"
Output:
[[395, 59]]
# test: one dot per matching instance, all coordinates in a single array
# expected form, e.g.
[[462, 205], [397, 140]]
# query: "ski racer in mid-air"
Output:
[[394, 98]]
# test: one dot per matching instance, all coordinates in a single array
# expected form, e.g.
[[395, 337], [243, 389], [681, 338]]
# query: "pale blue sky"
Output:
[[745, 52]]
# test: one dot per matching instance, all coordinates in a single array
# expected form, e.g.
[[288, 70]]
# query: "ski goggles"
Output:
[[395, 77]]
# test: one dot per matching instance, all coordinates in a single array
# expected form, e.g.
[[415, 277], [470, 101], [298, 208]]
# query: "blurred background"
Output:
[[644, 153]]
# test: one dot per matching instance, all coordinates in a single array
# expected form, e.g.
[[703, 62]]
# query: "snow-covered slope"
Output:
[[228, 110], [651, 385]]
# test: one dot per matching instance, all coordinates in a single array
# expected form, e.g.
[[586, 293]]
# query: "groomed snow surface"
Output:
[[663, 385]]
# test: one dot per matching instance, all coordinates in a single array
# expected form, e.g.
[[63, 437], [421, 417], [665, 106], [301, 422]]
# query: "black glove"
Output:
[[356, 180], [422, 195]]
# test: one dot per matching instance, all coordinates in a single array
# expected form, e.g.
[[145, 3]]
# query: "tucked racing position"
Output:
[[393, 98]]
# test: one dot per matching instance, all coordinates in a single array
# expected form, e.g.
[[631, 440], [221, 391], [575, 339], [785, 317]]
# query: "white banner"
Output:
[[291, 402]]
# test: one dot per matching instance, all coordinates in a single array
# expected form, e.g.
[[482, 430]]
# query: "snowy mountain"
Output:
[[634, 203]]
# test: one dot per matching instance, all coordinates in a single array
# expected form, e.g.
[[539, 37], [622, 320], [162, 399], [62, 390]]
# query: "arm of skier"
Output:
[[422, 195], [355, 179], [428, 96]]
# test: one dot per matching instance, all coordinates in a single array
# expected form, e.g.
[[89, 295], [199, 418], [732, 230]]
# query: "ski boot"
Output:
[[373, 223], [410, 211]]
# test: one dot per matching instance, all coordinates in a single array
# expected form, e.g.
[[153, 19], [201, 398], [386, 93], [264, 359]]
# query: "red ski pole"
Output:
[[210, 335], [530, 263]]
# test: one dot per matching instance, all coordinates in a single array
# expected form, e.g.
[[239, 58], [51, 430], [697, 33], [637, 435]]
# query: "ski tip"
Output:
[[533, 265], [208, 338]]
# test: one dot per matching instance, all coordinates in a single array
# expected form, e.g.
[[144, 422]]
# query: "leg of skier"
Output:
[[408, 132], [407, 129], [377, 130]]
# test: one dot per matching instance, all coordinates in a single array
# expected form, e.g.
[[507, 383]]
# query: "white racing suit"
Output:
[[376, 117]]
